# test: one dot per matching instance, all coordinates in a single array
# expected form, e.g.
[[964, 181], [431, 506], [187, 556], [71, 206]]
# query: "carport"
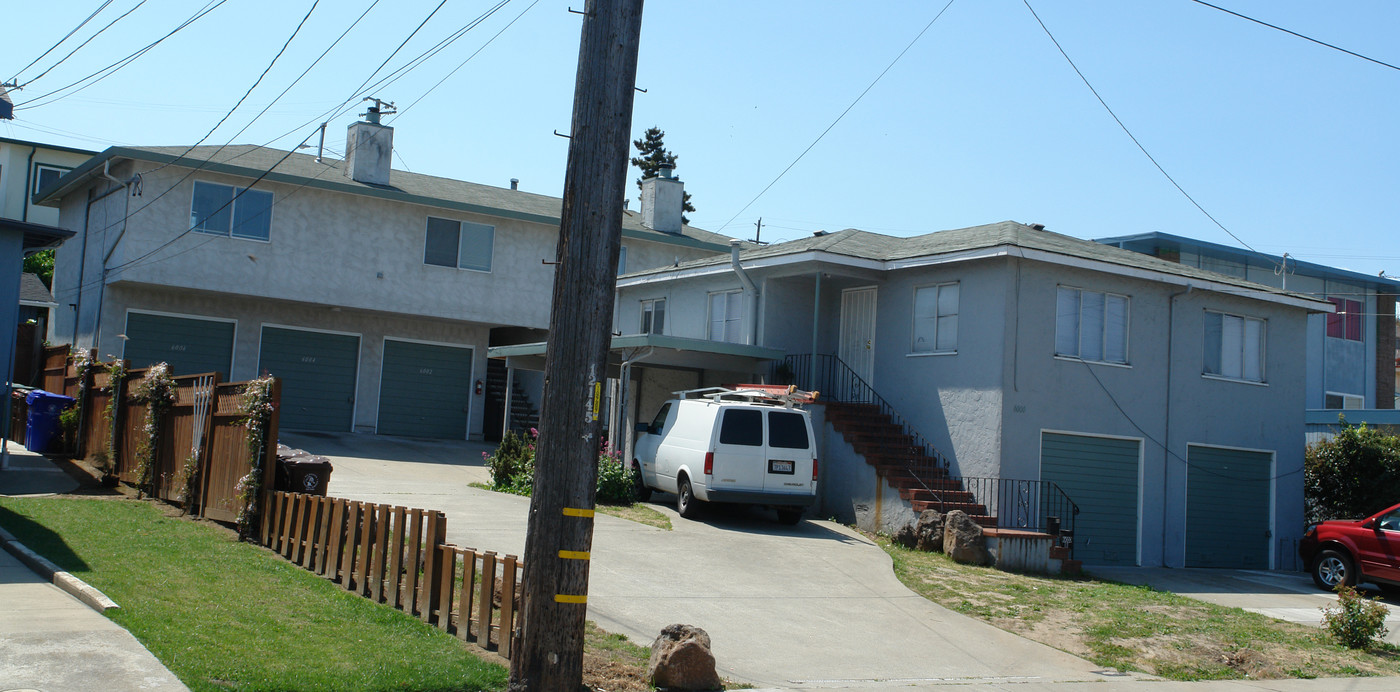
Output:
[[654, 365]]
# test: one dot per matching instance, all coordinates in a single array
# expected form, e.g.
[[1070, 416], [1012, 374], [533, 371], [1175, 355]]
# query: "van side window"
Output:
[[659, 421], [787, 430], [741, 427]]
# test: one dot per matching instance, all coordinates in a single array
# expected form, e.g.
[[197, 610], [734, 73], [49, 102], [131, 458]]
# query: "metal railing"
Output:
[[837, 382], [1026, 505]]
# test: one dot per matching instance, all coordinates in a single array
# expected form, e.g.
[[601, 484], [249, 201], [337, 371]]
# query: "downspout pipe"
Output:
[[750, 293], [28, 183], [1167, 409], [93, 198]]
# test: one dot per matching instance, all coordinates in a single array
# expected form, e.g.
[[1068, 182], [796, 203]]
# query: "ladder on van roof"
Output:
[[786, 395]]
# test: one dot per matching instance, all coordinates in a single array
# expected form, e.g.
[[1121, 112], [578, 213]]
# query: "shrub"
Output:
[[513, 470], [68, 424], [1354, 474], [1355, 621]]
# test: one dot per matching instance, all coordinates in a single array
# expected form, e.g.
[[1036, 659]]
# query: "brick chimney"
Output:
[[662, 199], [369, 149]]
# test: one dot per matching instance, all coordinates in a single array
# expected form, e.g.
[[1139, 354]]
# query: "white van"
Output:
[[742, 445]]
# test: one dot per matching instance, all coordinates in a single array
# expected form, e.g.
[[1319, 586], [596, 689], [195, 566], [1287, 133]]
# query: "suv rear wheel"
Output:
[[686, 504], [1333, 567]]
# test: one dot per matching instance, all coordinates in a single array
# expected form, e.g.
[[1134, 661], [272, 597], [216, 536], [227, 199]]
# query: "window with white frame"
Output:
[[654, 316], [1234, 346], [727, 316], [460, 244], [1338, 400], [46, 175], [226, 210], [1091, 326], [936, 318]]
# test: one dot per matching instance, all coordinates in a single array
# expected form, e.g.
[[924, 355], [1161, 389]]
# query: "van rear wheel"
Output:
[[686, 504], [639, 484], [789, 517]]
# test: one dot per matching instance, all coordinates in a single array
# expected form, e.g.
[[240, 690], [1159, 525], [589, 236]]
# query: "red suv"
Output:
[[1348, 551]]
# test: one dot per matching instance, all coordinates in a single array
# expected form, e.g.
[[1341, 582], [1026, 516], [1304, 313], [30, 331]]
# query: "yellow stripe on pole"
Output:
[[565, 598], [573, 554], [575, 512]]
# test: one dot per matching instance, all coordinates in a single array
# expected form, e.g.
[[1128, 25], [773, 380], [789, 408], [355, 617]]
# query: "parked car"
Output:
[[1348, 551], [750, 446]]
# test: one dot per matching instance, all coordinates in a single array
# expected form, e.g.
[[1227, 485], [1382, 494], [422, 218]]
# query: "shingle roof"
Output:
[[33, 290], [864, 245], [252, 161]]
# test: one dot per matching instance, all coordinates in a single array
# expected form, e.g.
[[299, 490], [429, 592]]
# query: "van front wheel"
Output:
[[686, 504], [639, 484]]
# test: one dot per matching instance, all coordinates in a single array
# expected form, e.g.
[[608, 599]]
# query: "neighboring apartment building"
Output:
[[28, 167], [1350, 352], [1025, 354], [371, 293]]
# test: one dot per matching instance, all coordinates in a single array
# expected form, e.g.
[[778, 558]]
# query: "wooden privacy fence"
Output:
[[204, 422], [399, 556]]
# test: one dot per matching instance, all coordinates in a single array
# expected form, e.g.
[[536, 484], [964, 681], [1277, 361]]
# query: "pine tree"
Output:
[[653, 156]]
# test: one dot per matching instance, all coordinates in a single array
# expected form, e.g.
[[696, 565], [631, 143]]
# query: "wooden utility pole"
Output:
[[550, 652]]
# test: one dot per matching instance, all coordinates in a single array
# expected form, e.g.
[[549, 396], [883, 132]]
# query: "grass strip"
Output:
[[637, 511], [227, 615], [1136, 628]]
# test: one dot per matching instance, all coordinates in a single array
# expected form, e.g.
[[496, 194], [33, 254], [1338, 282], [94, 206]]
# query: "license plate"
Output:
[[779, 466]]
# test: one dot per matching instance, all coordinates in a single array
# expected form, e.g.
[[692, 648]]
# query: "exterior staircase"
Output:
[[902, 461], [523, 414]]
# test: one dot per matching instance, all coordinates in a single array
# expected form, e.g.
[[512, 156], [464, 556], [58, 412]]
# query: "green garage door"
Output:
[[1101, 475], [425, 390], [191, 346], [318, 377], [1227, 508]]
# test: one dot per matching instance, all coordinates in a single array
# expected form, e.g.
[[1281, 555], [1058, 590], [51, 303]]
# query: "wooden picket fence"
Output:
[[203, 421], [400, 557]]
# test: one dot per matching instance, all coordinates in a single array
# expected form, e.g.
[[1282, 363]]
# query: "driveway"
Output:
[[1287, 596], [815, 605]]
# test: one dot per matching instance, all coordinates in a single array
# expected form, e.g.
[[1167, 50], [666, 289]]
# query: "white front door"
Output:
[[858, 331]]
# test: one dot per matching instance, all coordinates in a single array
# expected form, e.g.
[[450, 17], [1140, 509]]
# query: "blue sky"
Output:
[[1290, 145]]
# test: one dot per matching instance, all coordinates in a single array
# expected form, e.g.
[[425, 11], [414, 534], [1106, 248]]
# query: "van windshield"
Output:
[[742, 426], [787, 430]]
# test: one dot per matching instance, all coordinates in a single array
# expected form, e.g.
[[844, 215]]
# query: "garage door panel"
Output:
[[189, 345], [1101, 476], [425, 390], [1228, 517], [318, 372]]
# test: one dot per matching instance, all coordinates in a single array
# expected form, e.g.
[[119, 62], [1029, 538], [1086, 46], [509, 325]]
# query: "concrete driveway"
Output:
[[815, 605], [1287, 596]]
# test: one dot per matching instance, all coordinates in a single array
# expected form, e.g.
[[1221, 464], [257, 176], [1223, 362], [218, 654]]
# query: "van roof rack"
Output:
[[786, 395]]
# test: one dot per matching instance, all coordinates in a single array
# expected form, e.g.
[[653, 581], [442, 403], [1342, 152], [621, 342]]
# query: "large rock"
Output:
[[906, 536], [963, 540], [681, 660], [929, 531]]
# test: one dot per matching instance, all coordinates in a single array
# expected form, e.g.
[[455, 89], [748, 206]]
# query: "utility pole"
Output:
[[549, 657]]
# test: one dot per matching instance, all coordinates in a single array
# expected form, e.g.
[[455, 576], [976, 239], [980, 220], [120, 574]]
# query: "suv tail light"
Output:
[[709, 463], [814, 469]]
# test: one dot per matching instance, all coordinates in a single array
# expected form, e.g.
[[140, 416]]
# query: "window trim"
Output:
[[1344, 318], [1263, 348], [62, 171], [231, 208], [1079, 327], [457, 262], [914, 320], [1344, 396], [710, 316], [642, 311]]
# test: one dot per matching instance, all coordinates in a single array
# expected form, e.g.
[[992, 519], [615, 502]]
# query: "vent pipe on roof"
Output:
[[515, 183]]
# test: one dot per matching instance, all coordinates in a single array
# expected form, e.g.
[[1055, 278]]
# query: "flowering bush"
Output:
[[256, 405], [157, 390], [1355, 621], [106, 459], [513, 470]]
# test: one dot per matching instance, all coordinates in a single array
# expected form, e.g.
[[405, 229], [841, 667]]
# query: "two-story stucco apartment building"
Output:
[[373, 293], [1165, 400]]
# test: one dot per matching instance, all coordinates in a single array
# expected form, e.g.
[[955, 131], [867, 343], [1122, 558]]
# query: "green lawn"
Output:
[[226, 615]]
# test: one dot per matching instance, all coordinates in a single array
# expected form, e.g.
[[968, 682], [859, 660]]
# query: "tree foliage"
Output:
[[653, 155], [41, 263], [1355, 474]]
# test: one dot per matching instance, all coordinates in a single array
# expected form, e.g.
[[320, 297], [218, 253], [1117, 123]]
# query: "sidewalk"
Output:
[[50, 640]]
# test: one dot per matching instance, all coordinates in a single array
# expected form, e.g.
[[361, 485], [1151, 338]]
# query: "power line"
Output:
[[109, 70], [66, 36], [1294, 33], [1125, 129], [839, 117]]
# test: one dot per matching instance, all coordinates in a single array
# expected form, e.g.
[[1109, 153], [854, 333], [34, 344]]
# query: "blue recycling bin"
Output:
[[42, 426]]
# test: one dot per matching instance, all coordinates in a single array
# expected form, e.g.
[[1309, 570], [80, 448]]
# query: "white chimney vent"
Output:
[[663, 197], [369, 146]]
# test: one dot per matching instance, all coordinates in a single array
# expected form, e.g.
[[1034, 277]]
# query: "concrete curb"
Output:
[[78, 588]]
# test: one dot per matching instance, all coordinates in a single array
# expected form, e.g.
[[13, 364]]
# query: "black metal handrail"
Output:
[[1027, 505], [836, 381]]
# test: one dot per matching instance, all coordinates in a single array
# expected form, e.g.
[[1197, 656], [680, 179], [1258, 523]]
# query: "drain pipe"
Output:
[[1167, 408], [629, 434], [750, 293]]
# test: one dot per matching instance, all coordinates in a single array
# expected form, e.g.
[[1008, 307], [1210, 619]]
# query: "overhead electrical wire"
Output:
[[1294, 33], [111, 69], [66, 36], [839, 117]]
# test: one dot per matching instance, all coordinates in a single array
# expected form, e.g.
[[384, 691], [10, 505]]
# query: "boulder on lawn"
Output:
[[929, 531], [681, 660], [906, 536], [963, 540]]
